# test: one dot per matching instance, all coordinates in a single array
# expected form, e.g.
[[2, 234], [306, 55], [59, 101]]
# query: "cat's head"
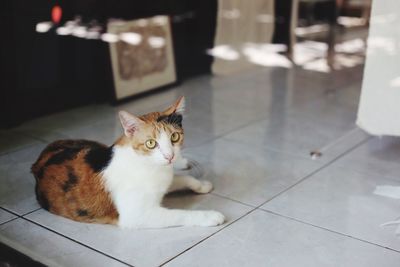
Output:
[[156, 136]]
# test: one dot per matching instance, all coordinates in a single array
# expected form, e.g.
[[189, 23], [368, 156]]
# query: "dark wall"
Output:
[[45, 72]]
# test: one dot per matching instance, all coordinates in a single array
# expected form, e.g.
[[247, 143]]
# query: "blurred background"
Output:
[[47, 70]]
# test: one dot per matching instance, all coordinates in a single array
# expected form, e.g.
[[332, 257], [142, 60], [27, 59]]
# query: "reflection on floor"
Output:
[[252, 133]]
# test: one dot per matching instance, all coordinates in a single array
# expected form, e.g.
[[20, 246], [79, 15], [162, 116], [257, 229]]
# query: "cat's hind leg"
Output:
[[159, 217], [182, 182]]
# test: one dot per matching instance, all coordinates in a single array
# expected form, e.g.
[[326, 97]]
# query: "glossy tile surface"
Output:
[[316, 125], [252, 134], [50, 248], [263, 239], [11, 141], [6, 216], [150, 247], [379, 156], [17, 183], [249, 174], [343, 200]]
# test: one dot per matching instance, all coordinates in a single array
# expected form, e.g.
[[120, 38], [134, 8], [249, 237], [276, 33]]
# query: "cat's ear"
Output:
[[129, 122], [177, 107]]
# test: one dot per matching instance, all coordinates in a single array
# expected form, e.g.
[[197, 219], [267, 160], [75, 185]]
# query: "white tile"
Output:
[[105, 132], [343, 200], [49, 248], [70, 119], [262, 239], [299, 135], [379, 156], [17, 190], [6, 216], [144, 247], [11, 140], [250, 174]]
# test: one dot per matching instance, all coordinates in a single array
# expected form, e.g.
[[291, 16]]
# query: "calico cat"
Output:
[[123, 184]]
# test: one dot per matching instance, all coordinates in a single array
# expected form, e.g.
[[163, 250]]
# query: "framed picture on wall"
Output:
[[142, 56]]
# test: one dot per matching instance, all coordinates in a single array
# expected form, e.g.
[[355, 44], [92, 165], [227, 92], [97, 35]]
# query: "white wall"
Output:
[[379, 110]]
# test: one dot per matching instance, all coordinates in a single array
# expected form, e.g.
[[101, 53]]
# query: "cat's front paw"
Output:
[[204, 188], [211, 218], [182, 164]]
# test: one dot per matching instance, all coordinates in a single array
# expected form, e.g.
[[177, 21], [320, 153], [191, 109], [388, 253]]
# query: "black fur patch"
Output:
[[42, 199], [82, 213], [72, 180], [68, 149], [174, 118], [63, 155], [40, 173], [98, 157]]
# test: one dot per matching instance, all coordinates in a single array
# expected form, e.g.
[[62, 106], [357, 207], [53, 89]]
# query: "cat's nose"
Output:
[[169, 157]]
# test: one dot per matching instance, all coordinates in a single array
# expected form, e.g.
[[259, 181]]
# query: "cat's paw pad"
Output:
[[204, 188], [212, 218]]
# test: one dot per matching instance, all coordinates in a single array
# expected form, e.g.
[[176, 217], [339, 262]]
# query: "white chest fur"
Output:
[[135, 185]]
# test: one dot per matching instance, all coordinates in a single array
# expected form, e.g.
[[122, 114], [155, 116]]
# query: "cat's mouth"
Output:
[[169, 162]]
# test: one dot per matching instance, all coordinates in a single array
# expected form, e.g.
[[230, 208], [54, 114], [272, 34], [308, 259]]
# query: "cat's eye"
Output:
[[175, 137], [151, 144]]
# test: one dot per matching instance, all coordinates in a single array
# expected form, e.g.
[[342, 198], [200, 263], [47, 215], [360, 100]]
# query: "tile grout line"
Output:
[[19, 215], [75, 241], [259, 206], [327, 229], [223, 134], [58, 233], [5, 153], [30, 212], [234, 200], [207, 237], [39, 138], [10, 220], [327, 164]]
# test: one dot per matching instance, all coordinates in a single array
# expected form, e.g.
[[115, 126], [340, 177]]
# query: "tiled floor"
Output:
[[252, 133]]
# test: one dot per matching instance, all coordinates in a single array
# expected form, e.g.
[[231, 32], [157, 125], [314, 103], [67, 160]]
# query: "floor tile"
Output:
[[250, 174], [263, 239], [343, 200], [379, 156], [144, 247], [299, 135], [17, 182], [70, 119], [225, 105], [105, 132], [11, 141], [53, 127], [6, 216], [49, 248]]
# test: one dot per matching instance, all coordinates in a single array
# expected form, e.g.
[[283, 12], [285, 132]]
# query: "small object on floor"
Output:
[[315, 154]]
